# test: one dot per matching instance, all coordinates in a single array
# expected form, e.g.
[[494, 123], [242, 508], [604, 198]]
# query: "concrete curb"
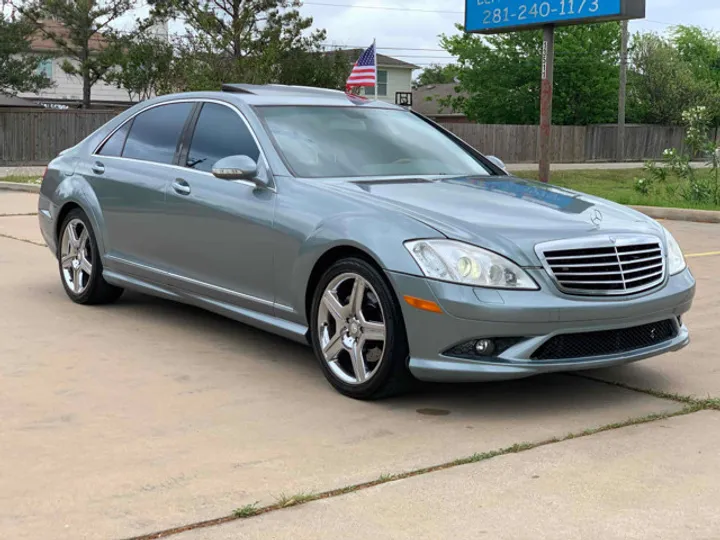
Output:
[[655, 212], [16, 186], [679, 214]]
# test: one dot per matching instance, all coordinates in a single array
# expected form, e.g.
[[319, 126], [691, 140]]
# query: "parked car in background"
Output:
[[365, 230]]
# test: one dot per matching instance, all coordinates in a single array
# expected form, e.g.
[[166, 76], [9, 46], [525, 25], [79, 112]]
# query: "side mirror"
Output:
[[498, 162], [237, 168]]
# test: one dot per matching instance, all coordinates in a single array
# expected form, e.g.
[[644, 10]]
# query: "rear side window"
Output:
[[114, 145], [155, 133], [219, 133]]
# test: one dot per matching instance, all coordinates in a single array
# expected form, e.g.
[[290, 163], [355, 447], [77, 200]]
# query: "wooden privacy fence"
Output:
[[34, 137], [571, 144]]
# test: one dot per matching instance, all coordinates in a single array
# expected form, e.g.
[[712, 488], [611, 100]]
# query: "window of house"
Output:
[[114, 145], [155, 133], [45, 67], [219, 133], [382, 86]]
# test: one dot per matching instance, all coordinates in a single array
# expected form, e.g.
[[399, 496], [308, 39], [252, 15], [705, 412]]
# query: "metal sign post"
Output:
[[546, 98]]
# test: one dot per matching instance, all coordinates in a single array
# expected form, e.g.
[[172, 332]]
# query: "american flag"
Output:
[[364, 72]]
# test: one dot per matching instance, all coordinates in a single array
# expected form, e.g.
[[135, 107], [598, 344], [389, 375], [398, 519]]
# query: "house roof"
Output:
[[11, 101], [427, 99], [41, 43], [383, 60]]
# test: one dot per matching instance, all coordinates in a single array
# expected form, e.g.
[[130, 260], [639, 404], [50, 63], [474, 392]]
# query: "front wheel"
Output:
[[358, 333], [80, 265]]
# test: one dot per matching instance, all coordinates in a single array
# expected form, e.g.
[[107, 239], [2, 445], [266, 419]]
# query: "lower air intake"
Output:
[[605, 342]]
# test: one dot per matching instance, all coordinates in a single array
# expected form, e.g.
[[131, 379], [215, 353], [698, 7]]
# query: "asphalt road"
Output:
[[143, 416]]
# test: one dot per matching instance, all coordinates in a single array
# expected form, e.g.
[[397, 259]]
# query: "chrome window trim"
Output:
[[603, 241], [202, 284], [232, 107]]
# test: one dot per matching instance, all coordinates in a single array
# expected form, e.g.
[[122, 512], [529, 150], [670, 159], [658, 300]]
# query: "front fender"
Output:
[[380, 237]]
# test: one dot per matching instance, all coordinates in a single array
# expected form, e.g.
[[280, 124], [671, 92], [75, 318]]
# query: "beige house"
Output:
[[393, 75], [68, 90]]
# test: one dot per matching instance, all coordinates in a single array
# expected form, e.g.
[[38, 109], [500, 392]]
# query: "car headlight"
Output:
[[448, 260], [676, 260]]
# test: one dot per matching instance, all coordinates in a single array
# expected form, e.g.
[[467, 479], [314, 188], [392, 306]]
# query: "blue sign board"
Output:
[[496, 16]]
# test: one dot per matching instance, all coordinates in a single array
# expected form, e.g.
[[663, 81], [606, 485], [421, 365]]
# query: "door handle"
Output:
[[98, 168], [181, 186]]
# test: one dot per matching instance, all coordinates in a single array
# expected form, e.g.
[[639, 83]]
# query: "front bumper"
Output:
[[473, 313]]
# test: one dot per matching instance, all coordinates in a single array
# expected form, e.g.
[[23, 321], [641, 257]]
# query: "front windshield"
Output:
[[325, 142]]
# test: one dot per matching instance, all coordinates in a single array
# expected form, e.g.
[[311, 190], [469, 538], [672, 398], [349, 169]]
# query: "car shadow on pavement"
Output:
[[539, 395]]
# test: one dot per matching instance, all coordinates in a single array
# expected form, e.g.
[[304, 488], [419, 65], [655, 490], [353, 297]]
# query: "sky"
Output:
[[402, 27]]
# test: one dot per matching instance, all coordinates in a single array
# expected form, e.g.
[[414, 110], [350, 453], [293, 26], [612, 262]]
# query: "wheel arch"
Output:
[[76, 192], [326, 260]]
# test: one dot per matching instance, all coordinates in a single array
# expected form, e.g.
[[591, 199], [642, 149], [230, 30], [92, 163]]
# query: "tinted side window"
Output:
[[154, 134], [114, 145], [219, 133]]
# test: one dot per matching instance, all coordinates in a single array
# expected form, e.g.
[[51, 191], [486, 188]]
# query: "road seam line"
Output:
[[250, 511], [708, 403], [3, 235], [17, 215]]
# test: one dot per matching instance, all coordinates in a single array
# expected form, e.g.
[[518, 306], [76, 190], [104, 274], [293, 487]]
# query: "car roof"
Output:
[[278, 94]]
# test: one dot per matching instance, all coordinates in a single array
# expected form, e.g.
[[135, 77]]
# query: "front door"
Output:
[[221, 244]]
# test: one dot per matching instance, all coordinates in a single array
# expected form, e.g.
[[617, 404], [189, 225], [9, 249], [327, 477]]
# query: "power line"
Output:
[[383, 8]]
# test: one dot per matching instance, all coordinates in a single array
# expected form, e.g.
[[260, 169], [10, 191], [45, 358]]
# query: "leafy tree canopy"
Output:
[[251, 41], [437, 74], [501, 75], [18, 66]]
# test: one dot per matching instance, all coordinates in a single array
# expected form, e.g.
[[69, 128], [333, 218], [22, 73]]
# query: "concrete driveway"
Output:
[[148, 416]]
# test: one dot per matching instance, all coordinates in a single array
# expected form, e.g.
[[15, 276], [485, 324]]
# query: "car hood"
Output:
[[503, 213]]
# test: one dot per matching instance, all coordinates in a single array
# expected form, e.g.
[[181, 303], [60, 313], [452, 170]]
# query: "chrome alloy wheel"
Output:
[[76, 256], [351, 326]]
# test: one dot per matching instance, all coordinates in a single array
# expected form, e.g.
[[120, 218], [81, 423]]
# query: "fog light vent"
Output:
[[483, 347]]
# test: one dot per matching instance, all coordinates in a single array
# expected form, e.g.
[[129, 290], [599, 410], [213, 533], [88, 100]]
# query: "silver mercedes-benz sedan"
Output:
[[389, 245]]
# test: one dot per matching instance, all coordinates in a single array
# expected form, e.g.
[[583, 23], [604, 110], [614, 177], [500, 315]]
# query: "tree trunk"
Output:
[[86, 89], [86, 75]]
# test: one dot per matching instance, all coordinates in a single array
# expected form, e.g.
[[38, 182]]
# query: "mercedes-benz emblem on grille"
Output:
[[596, 217]]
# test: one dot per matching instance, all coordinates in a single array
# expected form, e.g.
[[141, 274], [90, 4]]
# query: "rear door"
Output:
[[130, 172], [227, 243]]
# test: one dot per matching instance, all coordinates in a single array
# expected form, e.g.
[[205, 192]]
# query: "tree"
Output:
[[501, 75], [82, 32], [18, 66], [244, 40], [144, 68], [661, 84], [437, 74]]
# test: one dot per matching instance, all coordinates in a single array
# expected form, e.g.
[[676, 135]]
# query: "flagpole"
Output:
[[376, 70]]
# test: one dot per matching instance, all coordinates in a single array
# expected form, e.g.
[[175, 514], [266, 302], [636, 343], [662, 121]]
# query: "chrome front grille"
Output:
[[604, 265]]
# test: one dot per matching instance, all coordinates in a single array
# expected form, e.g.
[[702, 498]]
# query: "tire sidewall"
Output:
[[395, 352]]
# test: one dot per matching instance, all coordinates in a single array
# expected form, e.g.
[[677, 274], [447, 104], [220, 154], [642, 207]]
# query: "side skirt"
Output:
[[281, 327]]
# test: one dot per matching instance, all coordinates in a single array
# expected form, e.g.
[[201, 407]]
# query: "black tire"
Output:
[[392, 376], [97, 291]]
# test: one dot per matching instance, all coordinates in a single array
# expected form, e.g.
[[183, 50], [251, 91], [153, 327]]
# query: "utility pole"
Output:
[[620, 156], [546, 97]]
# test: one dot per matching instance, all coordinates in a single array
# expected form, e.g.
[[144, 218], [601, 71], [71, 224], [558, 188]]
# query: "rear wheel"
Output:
[[358, 333], [79, 262]]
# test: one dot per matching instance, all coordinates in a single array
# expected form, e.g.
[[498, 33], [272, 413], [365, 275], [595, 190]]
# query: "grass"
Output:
[[285, 501], [615, 185], [247, 511], [21, 179]]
